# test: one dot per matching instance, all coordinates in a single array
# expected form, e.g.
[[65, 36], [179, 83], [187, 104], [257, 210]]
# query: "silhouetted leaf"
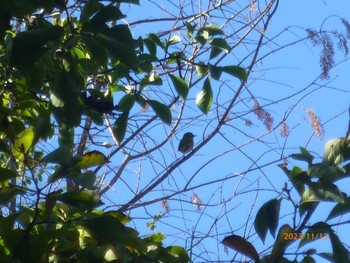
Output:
[[83, 199], [322, 192], [61, 155], [180, 85], [215, 72], [340, 209], [120, 126], [318, 231], [236, 71], [126, 102], [162, 111], [242, 246], [267, 218]]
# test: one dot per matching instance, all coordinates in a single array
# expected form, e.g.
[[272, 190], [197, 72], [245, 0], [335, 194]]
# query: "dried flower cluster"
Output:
[[263, 115], [284, 131], [316, 124], [196, 201], [324, 39], [165, 205]]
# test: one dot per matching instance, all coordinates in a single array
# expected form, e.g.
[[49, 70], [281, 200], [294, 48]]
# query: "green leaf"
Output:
[[96, 51], [236, 71], [281, 242], [190, 29], [318, 231], [7, 193], [340, 209], [6, 174], [214, 52], [120, 126], [340, 253], [205, 97], [126, 102], [337, 151], [242, 246], [84, 199], [29, 46], [91, 159], [106, 14], [23, 142], [322, 192], [155, 38], [308, 259], [180, 85], [151, 79], [151, 47], [172, 41], [119, 44], [299, 178], [324, 172], [162, 111], [86, 180], [202, 69], [304, 155], [267, 218], [106, 228], [211, 30], [179, 253], [215, 71], [218, 45], [62, 155]]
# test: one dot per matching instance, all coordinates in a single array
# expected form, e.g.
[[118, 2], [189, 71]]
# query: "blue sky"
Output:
[[290, 72]]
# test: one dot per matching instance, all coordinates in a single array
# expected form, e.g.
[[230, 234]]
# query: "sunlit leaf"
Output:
[[212, 30], [178, 253], [242, 246], [202, 69], [180, 85], [91, 159], [337, 151], [23, 142], [205, 97]]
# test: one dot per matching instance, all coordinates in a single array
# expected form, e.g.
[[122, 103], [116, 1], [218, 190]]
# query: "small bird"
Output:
[[186, 143]]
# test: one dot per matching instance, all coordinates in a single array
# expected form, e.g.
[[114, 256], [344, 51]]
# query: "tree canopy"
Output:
[[92, 114]]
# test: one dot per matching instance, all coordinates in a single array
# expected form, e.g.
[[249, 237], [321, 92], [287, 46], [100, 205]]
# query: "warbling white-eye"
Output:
[[186, 143]]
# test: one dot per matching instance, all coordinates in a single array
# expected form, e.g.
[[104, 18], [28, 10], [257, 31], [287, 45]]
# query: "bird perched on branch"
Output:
[[186, 144]]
